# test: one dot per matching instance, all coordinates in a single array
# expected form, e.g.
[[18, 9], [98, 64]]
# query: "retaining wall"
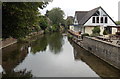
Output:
[[104, 50]]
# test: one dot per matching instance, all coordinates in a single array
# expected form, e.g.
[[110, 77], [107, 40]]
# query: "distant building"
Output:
[[119, 11], [85, 21]]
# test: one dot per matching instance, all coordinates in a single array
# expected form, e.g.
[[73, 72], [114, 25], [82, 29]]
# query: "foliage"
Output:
[[54, 28], [69, 21], [20, 17], [56, 15], [43, 22], [118, 22], [94, 35], [70, 36], [85, 34], [55, 42], [105, 32], [39, 45], [96, 30]]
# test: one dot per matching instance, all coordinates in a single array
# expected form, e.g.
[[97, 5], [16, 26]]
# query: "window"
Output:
[[101, 19], [106, 20], [93, 20], [97, 20]]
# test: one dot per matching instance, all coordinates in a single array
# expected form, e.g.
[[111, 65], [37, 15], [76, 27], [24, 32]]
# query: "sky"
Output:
[[70, 6]]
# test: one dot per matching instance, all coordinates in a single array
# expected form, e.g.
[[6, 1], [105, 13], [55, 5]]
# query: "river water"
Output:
[[54, 55]]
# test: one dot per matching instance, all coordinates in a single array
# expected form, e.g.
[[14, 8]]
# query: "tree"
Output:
[[43, 22], [56, 15], [20, 17], [69, 20]]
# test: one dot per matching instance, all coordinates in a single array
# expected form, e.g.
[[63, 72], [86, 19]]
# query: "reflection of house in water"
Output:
[[100, 67], [12, 56]]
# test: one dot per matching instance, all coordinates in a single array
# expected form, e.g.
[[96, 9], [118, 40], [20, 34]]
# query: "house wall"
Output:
[[114, 30], [89, 22], [89, 30], [76, 28], [101, 30], [102, 14]]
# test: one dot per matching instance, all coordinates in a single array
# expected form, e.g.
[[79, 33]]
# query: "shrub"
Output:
[[70, 36], [96, 30], [105, 32], [85, 34], [94, 35]]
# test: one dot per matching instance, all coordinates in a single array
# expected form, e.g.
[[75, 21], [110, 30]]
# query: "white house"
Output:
[[85, 21]]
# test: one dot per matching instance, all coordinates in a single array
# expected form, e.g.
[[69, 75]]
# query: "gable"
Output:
[[102, 15], [83, 16]]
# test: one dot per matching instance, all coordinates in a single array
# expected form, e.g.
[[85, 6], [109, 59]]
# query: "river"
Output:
[[53, 55]]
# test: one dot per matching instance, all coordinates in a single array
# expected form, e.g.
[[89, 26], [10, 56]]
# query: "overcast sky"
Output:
[[70, 6]]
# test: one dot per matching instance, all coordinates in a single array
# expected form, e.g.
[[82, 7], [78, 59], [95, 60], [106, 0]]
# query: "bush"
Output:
[[70, 36], [85, 34], [96, 30], [94, 35], [105, 32]]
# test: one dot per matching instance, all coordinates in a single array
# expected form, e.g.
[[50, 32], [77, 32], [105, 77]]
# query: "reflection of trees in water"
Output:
[[55, 41], [12, 56], [39, 45], [22, 73]]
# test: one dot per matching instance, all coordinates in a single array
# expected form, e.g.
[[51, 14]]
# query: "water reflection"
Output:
[[55, 44], [54, 41], [13, 56], [39, 45], [100, 67], [18, 74], [53, 55]]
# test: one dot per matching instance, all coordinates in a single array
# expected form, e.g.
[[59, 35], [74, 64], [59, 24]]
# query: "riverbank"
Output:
[[9, 41], [103, 50]]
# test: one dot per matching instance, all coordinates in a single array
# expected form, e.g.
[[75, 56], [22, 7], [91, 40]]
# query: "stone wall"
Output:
[[7, 42], [104, 50]]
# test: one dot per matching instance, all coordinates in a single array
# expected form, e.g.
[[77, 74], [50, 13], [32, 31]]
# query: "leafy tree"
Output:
[[69, 21], [43, 22], [19, 17], [56, 15]]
